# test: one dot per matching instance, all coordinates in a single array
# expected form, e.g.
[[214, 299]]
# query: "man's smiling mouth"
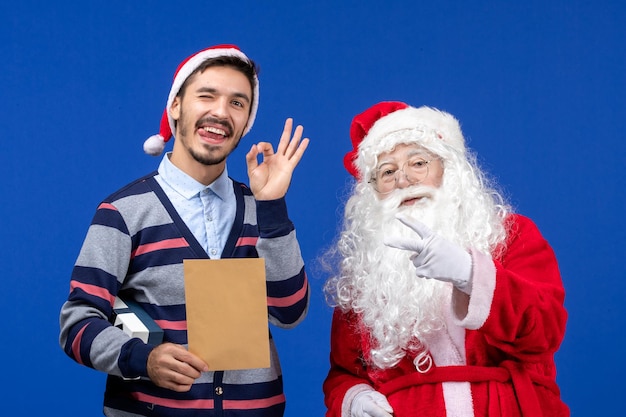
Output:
[[215, 130]]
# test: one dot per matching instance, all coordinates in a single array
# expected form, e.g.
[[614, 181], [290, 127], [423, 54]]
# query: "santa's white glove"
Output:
[[435, 257], [370, 404]]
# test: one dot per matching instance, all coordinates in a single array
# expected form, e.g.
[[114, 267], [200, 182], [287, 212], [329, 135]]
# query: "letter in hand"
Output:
[[270, 179], [433, 256], [173, 367]]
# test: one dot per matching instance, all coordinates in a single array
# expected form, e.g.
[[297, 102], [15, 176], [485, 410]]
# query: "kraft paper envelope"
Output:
[[227, 312]]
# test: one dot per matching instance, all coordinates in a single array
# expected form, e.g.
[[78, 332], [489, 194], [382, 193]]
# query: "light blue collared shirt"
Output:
[[208, 211]]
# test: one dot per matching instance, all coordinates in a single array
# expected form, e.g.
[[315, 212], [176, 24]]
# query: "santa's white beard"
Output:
[[435, 208], [379, 283], [398, 307]]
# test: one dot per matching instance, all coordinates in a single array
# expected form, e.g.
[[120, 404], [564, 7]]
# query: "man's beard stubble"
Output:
[[209, 159], [215, 154]]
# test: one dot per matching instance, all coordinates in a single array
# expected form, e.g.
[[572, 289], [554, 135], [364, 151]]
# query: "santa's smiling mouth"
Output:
[[422, 197], [410, 201]]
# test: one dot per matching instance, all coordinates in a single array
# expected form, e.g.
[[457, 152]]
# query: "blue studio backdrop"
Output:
[[538, 86]]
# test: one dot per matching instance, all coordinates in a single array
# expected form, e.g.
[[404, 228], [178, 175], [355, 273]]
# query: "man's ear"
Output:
[[175, 108]]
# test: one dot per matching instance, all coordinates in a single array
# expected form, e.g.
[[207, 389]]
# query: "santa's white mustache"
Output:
[[423, 193]]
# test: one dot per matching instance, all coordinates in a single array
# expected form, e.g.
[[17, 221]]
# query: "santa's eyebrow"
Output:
[[417, 151], [387, 161], [408, 154]]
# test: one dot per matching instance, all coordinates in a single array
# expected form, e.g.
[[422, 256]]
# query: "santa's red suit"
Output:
[[495, 359]]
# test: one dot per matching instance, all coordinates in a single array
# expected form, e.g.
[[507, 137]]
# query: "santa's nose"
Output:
[[402, 181]]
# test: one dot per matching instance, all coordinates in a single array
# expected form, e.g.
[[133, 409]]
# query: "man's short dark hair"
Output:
[[247, 68]]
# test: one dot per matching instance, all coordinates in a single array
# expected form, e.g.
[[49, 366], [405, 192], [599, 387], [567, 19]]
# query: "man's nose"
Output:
[[220, 107]]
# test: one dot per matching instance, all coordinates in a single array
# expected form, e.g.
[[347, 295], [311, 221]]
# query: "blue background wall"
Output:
[[538, 86]]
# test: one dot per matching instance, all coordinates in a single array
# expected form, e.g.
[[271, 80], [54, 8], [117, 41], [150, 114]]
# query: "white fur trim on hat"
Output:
[[421, 126], [154, 145]]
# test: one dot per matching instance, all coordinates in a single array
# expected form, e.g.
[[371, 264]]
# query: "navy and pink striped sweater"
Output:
[[135, 247]]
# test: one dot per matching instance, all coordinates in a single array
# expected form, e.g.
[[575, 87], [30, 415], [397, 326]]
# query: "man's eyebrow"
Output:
[[213, 90], [242, 96]]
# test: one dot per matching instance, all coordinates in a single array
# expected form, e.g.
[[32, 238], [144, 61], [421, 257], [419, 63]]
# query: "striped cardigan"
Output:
[[135, 247]]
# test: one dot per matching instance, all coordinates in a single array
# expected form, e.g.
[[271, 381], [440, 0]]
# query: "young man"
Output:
[[447, 303], [189, 209]]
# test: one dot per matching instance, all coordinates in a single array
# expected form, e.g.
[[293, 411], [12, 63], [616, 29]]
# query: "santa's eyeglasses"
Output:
[[385, 178]]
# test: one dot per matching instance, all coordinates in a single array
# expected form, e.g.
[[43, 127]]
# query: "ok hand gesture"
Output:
[[270, 179]]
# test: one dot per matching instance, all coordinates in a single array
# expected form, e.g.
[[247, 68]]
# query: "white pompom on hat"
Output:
[[386, 124], [155, 144]]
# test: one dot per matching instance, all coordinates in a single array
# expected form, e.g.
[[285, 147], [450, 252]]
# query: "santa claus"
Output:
[[446, 302]]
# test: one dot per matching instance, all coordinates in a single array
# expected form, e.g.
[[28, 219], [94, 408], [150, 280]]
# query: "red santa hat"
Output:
[[155, 144], [389, 123]]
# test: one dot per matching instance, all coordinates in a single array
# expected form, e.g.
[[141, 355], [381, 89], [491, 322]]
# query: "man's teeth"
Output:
[[214, 130]]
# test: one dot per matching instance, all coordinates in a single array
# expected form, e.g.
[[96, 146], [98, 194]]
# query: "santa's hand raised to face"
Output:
[[434, 257]]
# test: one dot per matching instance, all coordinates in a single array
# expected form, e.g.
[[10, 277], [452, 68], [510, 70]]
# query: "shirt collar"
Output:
[[188, 187]]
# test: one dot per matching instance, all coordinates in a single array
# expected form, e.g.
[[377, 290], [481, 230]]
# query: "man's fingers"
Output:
[[251, 158], [286, 136], [294, 142], [178, 382], [192, 364], [292, 145], [297, 155], [172, 366], [263, 148]]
